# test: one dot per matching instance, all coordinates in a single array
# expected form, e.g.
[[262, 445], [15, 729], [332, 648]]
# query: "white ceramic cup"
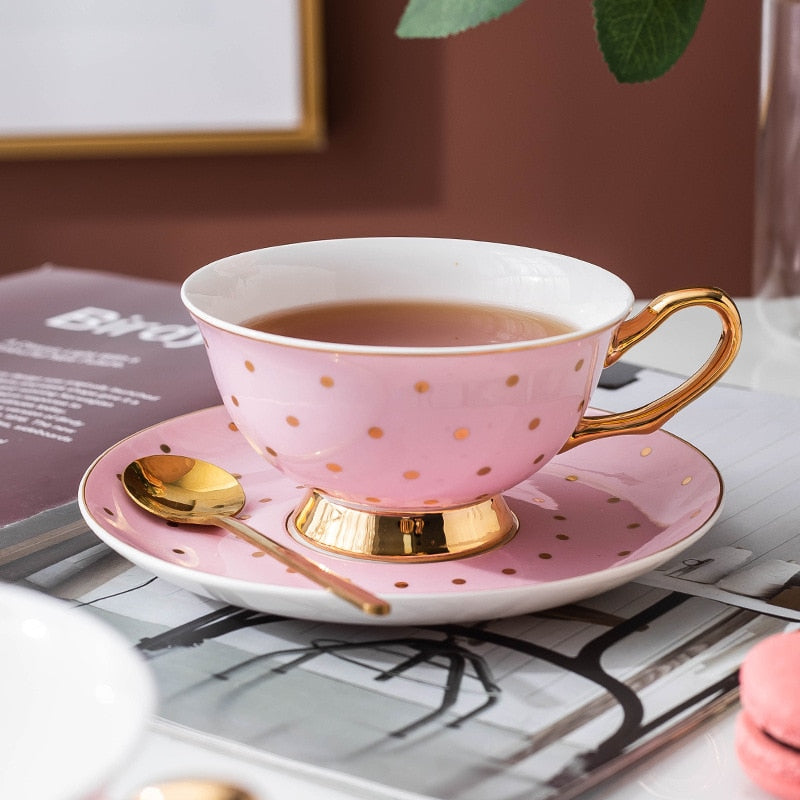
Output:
[[399, 433]]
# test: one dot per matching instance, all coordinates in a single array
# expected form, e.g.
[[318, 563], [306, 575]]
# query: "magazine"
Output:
[[538, 706], [86, 358]]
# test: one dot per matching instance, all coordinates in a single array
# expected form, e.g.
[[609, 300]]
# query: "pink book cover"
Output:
[[86, 358]]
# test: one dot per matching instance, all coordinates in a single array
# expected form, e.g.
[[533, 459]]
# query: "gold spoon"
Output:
[[182, 489], [192, 790]]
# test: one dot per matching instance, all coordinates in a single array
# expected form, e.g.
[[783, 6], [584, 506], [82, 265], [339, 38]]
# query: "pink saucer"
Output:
[[595, 517]]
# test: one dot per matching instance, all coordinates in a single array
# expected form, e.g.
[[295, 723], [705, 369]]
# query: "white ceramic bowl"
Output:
[[74, 695]]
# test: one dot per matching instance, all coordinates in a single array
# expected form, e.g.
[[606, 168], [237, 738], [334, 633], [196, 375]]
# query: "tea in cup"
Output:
[[409, 382]]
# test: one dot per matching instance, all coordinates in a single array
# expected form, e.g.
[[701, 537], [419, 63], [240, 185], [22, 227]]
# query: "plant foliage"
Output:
[[639, 39]]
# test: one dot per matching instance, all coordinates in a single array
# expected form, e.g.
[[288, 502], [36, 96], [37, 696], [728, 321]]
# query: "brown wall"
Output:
[[511, 132]]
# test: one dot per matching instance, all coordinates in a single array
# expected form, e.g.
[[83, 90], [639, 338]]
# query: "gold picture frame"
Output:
[[244, 76]]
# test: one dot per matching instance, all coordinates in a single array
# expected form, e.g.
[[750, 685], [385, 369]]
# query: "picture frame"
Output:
[[100, 78]]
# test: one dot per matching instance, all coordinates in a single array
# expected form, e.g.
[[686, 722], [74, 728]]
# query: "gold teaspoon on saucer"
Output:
[[192, 790], [183, 489]]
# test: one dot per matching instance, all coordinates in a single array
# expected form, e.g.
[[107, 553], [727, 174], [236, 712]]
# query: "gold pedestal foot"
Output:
[[412, 537]]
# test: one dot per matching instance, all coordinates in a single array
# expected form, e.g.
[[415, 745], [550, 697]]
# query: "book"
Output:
[[86, 358]]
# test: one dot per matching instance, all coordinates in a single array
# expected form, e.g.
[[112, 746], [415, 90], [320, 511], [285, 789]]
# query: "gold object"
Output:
[[415, 537], [182, 489], [307, 134], [651, 417], [192, 790]]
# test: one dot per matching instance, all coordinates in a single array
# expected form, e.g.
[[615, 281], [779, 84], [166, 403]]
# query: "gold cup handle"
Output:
[[652, 416]]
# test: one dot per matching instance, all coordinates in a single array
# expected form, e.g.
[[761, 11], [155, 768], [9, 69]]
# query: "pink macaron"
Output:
[[768, 727]]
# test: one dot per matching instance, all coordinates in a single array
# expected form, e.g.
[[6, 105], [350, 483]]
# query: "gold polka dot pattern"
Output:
[[513, 383], [422, 386]]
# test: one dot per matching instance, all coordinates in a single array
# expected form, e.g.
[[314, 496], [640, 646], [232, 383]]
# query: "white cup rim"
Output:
[[204, 302]]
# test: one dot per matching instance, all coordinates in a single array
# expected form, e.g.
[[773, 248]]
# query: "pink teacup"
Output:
[[407, 449]]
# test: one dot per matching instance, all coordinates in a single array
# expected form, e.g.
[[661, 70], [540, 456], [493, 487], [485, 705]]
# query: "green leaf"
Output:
[[423, 19], [642, 39]]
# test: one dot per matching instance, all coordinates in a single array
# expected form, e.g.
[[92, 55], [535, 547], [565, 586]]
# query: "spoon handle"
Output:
[[334, 583]]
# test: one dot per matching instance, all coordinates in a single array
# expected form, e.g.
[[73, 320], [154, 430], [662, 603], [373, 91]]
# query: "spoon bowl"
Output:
[[188, 490], [192, 790]]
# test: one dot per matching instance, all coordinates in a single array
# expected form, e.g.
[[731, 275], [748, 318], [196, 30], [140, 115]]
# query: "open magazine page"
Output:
[[751, 556], [536, 706]]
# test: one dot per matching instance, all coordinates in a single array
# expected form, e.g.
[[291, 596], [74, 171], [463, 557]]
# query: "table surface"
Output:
[[703, 765]]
